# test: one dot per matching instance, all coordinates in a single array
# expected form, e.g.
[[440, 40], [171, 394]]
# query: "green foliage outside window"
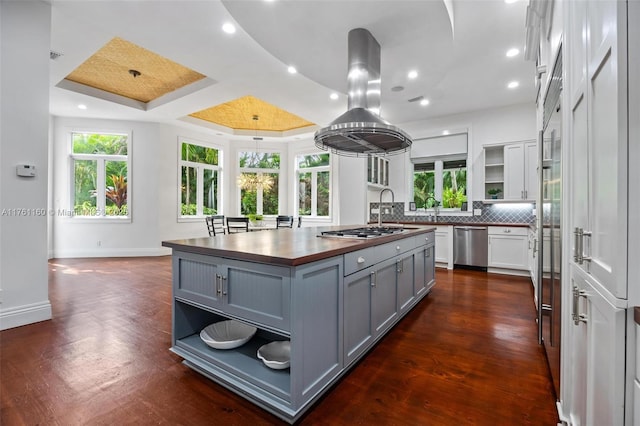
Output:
[[189, 179], [85, 172], [249, 197]]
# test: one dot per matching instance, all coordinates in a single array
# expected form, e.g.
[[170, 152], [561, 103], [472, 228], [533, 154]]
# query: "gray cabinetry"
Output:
[[331, 310], [257, 293]]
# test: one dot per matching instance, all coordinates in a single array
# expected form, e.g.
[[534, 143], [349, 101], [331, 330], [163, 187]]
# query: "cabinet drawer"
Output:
[[394, 248], [425, 239], [359, 260], [507, 230]]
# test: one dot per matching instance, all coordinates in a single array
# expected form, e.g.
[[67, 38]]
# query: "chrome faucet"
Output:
[[436, 205], [380, 205]]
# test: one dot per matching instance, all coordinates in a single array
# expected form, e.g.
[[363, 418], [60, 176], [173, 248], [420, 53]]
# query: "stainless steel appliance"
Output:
[[550, 225], [362, 232], [470, 246]]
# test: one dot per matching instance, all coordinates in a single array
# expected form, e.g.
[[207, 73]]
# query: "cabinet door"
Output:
[[406, 282], [197, 278], [598, 363], [358, 331], [530, 171], [508, 251], [513, 172], [384, 297], [607, 120], [442, 246], [259, 293]]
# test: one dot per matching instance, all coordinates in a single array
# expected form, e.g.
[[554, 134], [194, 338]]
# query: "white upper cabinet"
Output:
[[598, 124], [520, 171]]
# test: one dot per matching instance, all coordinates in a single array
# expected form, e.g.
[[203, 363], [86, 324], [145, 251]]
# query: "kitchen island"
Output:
[[333, 298]]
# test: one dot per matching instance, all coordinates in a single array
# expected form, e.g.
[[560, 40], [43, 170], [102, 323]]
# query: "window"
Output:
[[100, 174], [314, 178], [199, 180], [444, 181], [259, 182]]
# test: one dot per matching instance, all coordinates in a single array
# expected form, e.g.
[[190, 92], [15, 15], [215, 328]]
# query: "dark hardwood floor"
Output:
[[466, 355]]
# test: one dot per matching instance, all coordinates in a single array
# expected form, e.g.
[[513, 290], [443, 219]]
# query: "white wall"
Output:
[[491, 126], [153, 196], [24, 113]]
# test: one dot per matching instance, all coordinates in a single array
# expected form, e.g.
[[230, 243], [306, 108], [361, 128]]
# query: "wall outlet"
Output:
[[477, 212], [99, 243]]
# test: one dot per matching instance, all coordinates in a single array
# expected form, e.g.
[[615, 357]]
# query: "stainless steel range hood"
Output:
[[359, 131]]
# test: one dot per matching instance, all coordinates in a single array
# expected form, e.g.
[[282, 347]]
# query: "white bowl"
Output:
[[276, 355], [227, 334]]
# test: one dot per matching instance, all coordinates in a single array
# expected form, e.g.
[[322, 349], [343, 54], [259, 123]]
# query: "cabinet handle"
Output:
[[427, 253], [507, 231], [582, 256], [360, 260], [576, 316], [397, 248], [373, 277], [224, 285], [218, 283], [535, 247], [400, 265], [526, 194], [576, 244]]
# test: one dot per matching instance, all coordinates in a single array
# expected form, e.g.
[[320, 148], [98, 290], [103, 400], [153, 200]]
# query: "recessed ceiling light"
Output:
[[510, 1], [512, 52], [333, 96], [445, 132], [82, 106], [229, 28], [397, 89], [424, 102], [412, 74], [513, 85], [292, 69]]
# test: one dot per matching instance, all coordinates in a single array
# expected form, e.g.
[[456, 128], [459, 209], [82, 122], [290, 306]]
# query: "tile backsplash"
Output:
[[491, 213]]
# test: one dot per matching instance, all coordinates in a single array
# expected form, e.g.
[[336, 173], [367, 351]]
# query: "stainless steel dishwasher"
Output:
[[470, 246]]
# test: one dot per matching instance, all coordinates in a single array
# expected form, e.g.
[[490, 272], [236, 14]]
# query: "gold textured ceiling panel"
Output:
[[238, 114], [108, 70]]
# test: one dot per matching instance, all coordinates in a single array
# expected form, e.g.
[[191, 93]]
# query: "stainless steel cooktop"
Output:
[[362, 232]]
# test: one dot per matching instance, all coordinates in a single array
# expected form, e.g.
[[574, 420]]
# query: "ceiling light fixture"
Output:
[[424, 102], [253, 181], [513, 85], [445, 132], [82, 106], [333, 96], [510, 1], [229, 28], [292, 69], [512, 52], [412, 74], [135, 73]]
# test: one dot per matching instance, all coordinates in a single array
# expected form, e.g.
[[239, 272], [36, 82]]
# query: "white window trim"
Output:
[[200, 167], [100, 178], [314, 186]]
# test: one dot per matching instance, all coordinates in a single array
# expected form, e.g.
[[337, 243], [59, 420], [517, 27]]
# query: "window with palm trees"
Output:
[[199, 180], [259, 182], [100, 171], [314, 178], [440, 183]]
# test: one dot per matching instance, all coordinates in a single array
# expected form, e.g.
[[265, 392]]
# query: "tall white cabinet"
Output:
[[595, 366], [520, 175]]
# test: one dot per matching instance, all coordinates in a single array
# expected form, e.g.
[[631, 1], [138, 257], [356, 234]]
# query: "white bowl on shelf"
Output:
[[276, 355], [227, 334]]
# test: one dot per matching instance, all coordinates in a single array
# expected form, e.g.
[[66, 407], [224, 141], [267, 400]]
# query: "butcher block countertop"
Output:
[[286, 246]]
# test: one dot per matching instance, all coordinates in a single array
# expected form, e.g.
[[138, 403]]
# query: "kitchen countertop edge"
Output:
[[297, 246]]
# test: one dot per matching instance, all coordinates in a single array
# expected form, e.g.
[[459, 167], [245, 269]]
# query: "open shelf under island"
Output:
[[333, 298]]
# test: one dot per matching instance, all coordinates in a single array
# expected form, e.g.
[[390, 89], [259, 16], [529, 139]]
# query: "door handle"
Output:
[[582, 256], [575, 315], [576, 244], [218, 284]]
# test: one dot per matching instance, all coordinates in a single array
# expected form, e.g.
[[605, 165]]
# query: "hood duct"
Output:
[[361, 131]]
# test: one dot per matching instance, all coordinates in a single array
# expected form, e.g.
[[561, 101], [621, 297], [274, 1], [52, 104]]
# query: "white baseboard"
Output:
[[505, 271], [25, 314], [105, 252]]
